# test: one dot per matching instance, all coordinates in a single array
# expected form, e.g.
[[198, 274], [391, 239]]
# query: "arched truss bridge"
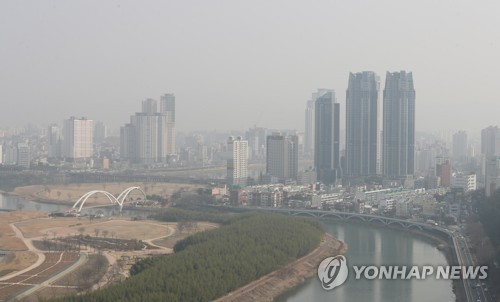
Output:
[[114, 200]]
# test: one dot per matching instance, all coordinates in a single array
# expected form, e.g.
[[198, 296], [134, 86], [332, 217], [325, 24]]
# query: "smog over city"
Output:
[[249, 150]]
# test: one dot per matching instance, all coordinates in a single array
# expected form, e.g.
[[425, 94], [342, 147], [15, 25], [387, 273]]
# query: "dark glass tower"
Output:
[[399, 125], [362, 124], [326, 137]]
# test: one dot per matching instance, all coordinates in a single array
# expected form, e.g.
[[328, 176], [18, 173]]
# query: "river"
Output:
[[368, 245], [12, 202]]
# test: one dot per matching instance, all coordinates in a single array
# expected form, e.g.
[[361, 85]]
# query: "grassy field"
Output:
[[119, 228], [8, 239], [16, 261], [20, 257]]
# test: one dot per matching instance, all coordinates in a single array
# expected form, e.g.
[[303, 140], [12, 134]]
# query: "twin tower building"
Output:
[[373, 146]]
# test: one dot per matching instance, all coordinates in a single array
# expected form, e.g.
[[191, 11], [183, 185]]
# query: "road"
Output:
[[476, 290]]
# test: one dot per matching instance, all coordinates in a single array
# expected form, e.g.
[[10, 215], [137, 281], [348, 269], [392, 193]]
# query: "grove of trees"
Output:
[[210, 264]]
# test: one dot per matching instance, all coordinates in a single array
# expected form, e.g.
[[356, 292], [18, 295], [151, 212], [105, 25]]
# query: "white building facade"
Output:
[[78, 138], [237, 163]]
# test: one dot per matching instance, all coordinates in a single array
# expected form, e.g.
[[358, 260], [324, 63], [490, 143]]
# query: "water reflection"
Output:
[[370, 245]]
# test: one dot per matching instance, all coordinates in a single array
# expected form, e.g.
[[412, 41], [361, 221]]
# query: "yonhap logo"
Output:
[[333, 272]]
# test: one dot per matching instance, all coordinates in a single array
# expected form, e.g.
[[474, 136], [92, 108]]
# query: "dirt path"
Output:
[[150, 241], [276, 283], [112, 259], [41, 258], [31, 248]]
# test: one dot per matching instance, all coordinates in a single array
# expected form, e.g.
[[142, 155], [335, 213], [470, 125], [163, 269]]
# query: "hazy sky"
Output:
[[233, 64]]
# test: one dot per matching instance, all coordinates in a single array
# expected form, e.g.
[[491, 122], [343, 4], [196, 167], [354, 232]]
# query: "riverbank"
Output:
[[289, 276], [69, 193]]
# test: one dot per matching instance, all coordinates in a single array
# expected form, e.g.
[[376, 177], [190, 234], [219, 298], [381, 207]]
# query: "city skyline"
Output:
[[102, 68]]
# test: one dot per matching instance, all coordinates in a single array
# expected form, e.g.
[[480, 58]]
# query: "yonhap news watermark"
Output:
[[333, 272]]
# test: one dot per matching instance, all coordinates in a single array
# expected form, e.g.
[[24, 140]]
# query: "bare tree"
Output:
[[97, 231], [105, 233]]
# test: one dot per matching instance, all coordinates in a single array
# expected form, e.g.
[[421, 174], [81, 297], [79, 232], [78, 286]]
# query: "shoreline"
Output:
[[291, 275]]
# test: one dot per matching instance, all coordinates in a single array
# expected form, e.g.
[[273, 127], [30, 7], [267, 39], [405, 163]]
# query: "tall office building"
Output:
[[10, 154], [100, 132], [443, 171], [309, 128], [23, 155], [147, 138], [149, 106], [167, 107], [362, 124], [127, 142], [141, 140], [150, 136], [490, 141], [282, 156], [327, 137], [256, 137], [237, 163], [459, 146], [54, 141], [398, 144], [78, 138], [492, 175]]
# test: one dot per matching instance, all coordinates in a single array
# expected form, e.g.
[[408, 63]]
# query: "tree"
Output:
[[96, 232]]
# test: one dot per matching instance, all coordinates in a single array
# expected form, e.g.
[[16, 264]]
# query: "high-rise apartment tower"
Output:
[[282, 156], [327, 137], [237, 162], [398, 125], [362, 124]]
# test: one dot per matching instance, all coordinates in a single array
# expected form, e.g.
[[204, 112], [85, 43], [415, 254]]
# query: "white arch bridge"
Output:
[[113, 200]]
